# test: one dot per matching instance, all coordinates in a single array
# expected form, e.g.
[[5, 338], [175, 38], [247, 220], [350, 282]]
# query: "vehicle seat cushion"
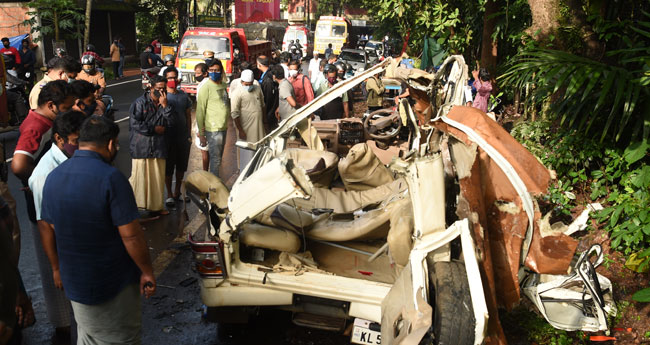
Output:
[[262, 236], [319, 165], [204, 184], [340, 201], [362, 170]]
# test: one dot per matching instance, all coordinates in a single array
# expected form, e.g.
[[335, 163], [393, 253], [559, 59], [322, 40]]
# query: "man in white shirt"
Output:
[[319, 75], [313, 65], [247, 111]]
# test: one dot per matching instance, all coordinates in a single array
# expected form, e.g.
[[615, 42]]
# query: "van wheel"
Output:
[[453, 314]]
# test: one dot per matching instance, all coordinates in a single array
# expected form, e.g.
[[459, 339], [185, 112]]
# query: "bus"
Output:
[[334, 30]]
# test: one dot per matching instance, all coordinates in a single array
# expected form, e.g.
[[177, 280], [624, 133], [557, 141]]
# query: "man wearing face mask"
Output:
[[85, 99], [179, 138], [301, 84], [201, 76], [247, 104], [212, 112], [56, 97], [236, 83], [100, 252], [9, 50], [64, 68], [28, 60], [338, 107], [65, 132], [151, 117], [287, 100], [270, 91]]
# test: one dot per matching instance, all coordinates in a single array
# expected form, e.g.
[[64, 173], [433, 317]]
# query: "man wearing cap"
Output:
[[247, 109], [7, 49]]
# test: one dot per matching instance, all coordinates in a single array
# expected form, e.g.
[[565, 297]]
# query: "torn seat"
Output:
[[204, 185], [342, 215], [362, 170], [263, 236], [319, 165]]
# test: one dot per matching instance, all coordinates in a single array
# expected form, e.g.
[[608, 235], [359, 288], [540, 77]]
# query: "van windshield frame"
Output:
[[193, 46]]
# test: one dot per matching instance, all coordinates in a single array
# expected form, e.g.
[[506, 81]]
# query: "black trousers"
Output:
[[116, 69]]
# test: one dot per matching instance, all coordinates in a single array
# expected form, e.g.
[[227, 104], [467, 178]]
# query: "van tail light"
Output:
[[208, 258]]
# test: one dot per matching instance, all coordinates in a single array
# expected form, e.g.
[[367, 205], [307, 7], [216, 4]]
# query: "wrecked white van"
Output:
[[410, 227]]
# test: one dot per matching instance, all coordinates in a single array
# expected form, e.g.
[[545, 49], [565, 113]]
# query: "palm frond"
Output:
[[586, 94]]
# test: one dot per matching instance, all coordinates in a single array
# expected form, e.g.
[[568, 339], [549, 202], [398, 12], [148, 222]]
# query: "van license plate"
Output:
[[363, 334]]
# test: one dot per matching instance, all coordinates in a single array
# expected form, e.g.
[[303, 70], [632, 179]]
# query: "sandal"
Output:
[[170, 202]]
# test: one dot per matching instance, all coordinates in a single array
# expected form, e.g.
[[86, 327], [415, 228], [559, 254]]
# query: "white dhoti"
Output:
[[148, 183]]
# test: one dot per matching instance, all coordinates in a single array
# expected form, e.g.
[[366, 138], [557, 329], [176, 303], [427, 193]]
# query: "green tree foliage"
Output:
[[455, 24], [58, 17], [157, 19], [609, 96]]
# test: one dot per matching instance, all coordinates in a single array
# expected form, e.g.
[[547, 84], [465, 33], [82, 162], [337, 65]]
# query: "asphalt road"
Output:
[[174, 314]]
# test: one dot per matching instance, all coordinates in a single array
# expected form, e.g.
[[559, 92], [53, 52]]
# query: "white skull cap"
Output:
[[247, 75]]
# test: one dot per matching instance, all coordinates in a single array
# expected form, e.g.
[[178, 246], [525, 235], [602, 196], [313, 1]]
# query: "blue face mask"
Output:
[[215, 76], [250, 88]]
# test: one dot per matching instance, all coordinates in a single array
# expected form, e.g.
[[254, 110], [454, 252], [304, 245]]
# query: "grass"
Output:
[[525, 323]]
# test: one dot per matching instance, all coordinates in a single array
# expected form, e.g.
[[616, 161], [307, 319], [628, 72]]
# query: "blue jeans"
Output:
[[120, 69], [216, 142]]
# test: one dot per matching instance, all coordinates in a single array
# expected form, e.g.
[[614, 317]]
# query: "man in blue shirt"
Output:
[[98, 245], [65, 132]]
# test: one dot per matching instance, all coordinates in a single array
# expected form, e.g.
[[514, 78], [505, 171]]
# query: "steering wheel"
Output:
[[382, 124]]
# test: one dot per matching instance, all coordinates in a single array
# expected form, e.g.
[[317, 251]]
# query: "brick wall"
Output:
[[12, 15]]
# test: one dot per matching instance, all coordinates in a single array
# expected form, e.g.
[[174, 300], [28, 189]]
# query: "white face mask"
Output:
[[293, 73]]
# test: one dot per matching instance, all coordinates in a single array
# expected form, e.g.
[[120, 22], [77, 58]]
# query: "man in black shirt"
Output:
[[148, 60], [270, 91]]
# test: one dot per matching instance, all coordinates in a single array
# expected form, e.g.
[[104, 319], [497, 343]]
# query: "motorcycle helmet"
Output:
[[340, 69], [329, 68], [88, 60], [60, 52], [168, 58], [90, 47]]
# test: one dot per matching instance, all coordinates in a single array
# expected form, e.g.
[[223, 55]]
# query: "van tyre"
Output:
[[453, 314]]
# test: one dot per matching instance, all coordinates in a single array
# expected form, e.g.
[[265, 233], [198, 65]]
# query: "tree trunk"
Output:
[[55, 15], [545, 14], [593, 47], [488, 45], [89, 5]]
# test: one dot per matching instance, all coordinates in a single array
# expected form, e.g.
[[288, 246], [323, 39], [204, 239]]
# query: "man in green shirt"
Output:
[[376, 89], [212, 112]]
